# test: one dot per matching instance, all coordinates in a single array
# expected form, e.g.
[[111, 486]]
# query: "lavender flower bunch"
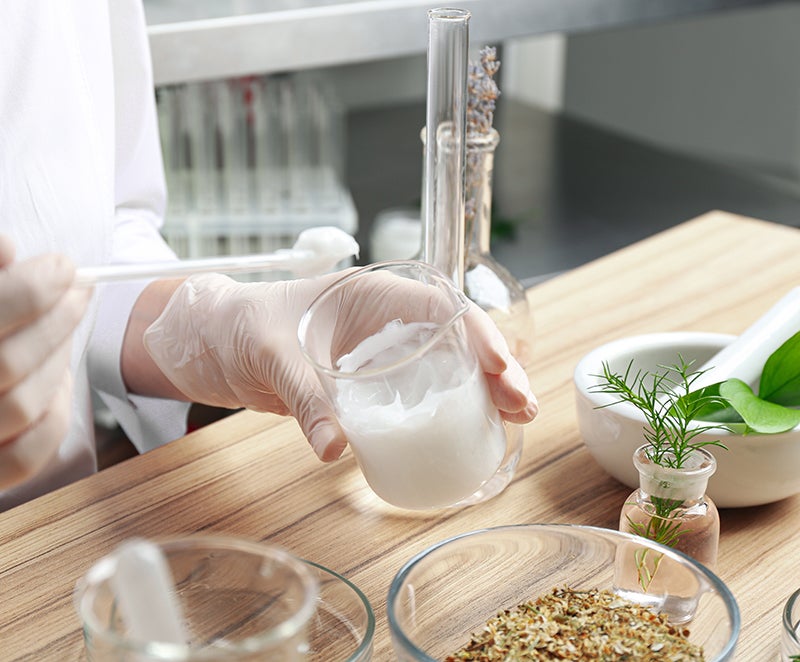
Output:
[[482, 91]]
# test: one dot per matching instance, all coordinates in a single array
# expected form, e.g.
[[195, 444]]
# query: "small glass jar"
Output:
[[671, 506]]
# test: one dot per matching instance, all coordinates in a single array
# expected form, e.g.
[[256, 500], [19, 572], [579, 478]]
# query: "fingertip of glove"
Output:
[[523, 416], [531, 410], [516, 398], [328, 442], [496, 361], [61, 268], [489, 342]]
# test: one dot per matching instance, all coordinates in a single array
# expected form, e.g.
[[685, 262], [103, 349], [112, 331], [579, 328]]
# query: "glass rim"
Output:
[[707, 468], [369, 632], [474, 141], [102, 569], [789, 628], [449, 14], [712, 580], [461, 305]]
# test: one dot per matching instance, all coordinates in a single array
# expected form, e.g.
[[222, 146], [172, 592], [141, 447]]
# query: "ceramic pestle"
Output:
[[744, 358]]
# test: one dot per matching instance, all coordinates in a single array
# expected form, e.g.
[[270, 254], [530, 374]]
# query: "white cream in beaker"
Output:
[[429, 435]]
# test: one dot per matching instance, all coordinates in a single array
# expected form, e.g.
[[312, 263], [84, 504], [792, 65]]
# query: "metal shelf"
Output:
[[206, 39]]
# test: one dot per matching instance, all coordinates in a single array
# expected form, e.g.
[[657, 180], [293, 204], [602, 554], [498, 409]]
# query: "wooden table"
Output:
[[253, 475]]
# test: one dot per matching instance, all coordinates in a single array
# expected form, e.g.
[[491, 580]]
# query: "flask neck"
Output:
[[480, 150], [443, 187], [686, 485]]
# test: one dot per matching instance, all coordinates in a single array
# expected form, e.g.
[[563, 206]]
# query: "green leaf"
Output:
[[708, 405], [760, 415], [780, 379]]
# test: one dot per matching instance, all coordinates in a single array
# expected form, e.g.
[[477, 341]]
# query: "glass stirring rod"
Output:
[[316, 251]]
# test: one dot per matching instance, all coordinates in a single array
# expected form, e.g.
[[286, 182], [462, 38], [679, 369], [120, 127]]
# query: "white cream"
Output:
[[326, 246], [435, 442]]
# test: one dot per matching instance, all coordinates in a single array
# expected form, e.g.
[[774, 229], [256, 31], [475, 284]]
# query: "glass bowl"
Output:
[[790, 633], [343, 627], [229, 598], [238, 599], [446, 593]]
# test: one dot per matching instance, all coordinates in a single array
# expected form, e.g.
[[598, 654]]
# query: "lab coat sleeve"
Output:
[[140, 201]]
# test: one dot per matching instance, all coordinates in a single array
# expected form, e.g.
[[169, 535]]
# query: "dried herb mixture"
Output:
[[579, 625]]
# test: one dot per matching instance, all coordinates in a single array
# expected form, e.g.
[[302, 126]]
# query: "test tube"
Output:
[[233, 139], [201, 120], [328, 129], [268, 179], [171, 132], [297, 127], [445, 150]]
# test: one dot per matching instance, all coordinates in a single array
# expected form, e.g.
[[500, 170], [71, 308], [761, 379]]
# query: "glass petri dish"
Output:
[[473, 576], [343, 626]]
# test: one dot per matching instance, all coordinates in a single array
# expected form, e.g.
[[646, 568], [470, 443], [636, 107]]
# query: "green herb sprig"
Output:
[[663, 398]]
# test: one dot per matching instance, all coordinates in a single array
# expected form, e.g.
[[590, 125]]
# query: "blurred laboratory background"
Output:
[[617, 119]]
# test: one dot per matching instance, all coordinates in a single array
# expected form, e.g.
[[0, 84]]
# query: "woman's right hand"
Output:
[[39, 312]]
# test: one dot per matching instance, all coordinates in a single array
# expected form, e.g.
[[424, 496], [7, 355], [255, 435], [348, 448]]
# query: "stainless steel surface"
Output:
[[205, 39]]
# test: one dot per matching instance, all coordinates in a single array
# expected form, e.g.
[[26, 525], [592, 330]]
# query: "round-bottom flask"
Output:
[[486, 281]]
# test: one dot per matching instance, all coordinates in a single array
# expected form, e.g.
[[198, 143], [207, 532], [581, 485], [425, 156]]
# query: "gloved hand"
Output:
[[38, 314], [231, 344]]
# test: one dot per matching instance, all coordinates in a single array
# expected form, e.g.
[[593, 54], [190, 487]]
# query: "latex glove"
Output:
[[38, 314], [231, 344]]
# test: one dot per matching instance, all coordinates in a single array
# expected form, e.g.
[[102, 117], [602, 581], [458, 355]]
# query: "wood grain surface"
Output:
[[253, 475]]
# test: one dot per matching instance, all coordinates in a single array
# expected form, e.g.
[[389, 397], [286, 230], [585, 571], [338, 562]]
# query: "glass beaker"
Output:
[[239, 600], [407, 387]]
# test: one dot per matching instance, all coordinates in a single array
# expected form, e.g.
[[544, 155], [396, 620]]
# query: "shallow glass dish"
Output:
[[790, 633], [446, 593], [237, 599], [343, 627]]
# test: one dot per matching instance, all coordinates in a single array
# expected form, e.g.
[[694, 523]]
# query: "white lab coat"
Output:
[[81, 174]]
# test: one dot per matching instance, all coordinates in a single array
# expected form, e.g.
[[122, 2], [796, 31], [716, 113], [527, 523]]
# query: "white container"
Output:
[[756, 469]]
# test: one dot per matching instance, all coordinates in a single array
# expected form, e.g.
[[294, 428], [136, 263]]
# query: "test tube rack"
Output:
[[250, 162]]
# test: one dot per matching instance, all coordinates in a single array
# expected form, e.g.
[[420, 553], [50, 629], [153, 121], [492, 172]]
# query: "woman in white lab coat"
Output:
[[81, 183]]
